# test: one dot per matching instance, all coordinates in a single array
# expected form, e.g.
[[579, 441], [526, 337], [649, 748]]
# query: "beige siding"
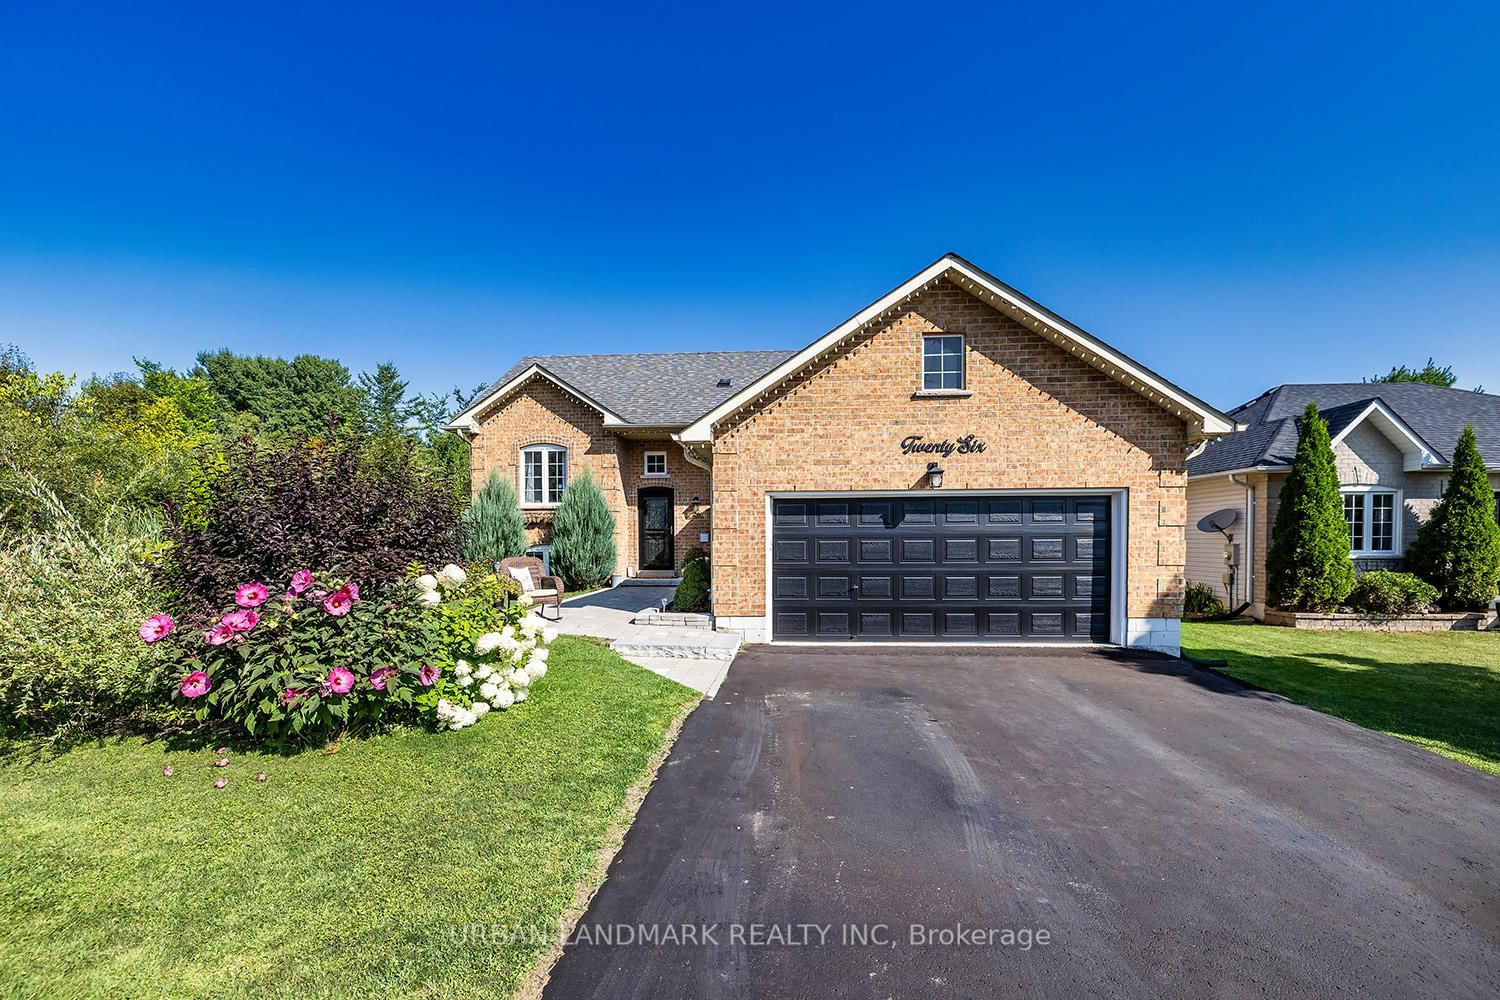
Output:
[[1366, 457], [1205, 551], [1267, 491]]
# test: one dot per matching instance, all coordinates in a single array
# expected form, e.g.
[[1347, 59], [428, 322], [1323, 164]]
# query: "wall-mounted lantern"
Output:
[[935, 475]]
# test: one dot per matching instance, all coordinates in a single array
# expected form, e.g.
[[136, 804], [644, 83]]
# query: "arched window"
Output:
[[544, 473]]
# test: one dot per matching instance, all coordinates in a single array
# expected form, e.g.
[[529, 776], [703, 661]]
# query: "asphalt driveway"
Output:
[[1172, 833]]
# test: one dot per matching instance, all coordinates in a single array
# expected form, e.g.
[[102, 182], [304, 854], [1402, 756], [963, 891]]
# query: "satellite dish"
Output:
[[1219, 520]]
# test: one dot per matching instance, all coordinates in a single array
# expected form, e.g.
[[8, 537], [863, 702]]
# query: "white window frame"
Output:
[[646, 465], [1398, 507], [963, 363], [549, 453]]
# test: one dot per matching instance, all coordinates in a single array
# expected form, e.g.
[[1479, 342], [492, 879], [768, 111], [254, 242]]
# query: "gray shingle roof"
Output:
[[665, 389], [1438, 415]]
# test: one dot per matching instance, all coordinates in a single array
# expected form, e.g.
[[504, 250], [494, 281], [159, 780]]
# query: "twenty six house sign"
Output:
[[916, 444]]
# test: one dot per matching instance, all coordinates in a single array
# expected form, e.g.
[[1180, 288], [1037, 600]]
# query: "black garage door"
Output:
[[960, 568]]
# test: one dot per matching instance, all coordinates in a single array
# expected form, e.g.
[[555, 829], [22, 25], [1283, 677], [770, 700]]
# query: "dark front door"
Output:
[[655, 505], [976, 568]]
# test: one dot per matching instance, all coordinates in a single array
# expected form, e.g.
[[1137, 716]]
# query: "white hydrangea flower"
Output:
[[481, 709], [484, 671], [520, 694], [488, 690], [451, 575], [549, 634], [525, 600], [427, 583], [529, 626], [488, 643], [430, 597], [462, 668], [536, 671], [540, 655], [519, 679], [465, 681], [444, 708], [503, 698]]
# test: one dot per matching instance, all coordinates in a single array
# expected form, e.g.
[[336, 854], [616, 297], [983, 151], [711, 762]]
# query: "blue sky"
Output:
[[1235, 196]]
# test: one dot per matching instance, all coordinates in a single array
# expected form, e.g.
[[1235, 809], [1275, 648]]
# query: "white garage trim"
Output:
[[1122, 631]]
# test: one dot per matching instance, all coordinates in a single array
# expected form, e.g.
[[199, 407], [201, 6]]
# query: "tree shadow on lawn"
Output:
[[1434, 703], [23, 747]]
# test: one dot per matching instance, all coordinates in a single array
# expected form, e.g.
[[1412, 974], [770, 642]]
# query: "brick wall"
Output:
[[541, 413], [686, 481], [1050, 421]]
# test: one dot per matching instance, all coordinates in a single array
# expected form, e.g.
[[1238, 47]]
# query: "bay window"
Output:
[[1372, 517], [544, 474]]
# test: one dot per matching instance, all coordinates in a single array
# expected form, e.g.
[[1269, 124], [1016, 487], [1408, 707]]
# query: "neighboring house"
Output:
[[1391, 441], [953, 463]]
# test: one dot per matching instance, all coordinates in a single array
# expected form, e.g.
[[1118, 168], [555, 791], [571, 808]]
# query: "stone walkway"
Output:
[[694, 657]]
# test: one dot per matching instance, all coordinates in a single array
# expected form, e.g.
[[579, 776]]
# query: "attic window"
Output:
[[723, 383]]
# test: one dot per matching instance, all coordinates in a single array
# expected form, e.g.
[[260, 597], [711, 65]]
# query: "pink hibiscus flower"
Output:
[[301, 580], [241, 621], [157, 627], [379, 676], [428, 675], [218, 635], [292, 695], [196, 685], [353, 589], [340, 680], [339, 602], [251, 595]]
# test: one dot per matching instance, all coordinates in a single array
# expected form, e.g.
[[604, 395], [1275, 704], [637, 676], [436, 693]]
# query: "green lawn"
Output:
[[344, 873], [1438, 690]]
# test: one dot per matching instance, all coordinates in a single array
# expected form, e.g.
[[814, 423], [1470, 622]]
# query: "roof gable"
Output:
[[1205, 420], [635, 390], [1413, 415]]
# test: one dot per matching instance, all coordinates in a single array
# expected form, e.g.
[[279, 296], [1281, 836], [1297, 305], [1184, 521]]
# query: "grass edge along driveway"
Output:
[[358, 873], [1437, 690]]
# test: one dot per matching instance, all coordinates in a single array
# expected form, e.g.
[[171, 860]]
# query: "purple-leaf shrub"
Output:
[[321, 503]]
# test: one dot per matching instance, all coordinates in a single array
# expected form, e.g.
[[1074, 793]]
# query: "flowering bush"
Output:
[[319, 659], [490, 653]]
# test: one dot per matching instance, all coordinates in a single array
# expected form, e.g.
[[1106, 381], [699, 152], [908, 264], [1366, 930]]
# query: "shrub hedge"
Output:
[[1384, 592], [692, 592]]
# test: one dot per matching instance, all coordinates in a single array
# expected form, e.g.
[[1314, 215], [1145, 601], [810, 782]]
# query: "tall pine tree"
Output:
[[1308, 566], [493, 529], [1458, 549], [583, 535]]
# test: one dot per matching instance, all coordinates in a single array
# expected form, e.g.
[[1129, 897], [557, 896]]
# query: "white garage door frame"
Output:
[[1119, 563]]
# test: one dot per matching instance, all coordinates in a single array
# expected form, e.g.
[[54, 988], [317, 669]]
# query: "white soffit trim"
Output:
[[1206, 421], [465, 420], [1416, 453]]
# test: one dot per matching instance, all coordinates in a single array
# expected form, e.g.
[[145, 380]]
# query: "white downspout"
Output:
[[1248, 556]]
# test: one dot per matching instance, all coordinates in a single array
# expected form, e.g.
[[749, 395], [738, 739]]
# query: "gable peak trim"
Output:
[[1205, 420]]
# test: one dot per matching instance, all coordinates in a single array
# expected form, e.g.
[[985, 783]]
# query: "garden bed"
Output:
[[1359, 622], [359, 871]]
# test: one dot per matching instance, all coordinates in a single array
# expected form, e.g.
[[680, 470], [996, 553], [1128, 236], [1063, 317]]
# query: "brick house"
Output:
[[954, 462]]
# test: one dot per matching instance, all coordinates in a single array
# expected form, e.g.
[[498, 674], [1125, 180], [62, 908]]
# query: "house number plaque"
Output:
[[916, 444]]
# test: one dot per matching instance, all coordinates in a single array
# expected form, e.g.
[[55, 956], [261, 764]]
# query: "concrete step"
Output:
[[658, 642], [650, 581], [675, 619]]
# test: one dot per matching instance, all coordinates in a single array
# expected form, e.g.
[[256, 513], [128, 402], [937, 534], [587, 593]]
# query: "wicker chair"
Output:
[[545, 589]]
